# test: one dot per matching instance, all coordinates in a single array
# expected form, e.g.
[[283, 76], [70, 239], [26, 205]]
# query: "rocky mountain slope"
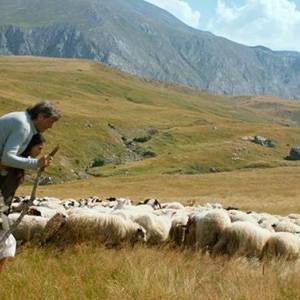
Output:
[[141, 39]]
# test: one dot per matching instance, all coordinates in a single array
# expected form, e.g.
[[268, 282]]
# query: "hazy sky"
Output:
[[271, 23]]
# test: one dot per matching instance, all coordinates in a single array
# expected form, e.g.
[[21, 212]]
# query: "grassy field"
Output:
[[92, 272], [200, 157]]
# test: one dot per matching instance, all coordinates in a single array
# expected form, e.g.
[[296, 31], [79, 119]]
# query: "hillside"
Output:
[[144, 40], [164, 141], [128, 126]]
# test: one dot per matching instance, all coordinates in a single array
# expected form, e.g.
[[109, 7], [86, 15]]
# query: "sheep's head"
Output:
[[274, 225], [156, 204], [53, 227], [152, 202], [34, 212], [140, 234]]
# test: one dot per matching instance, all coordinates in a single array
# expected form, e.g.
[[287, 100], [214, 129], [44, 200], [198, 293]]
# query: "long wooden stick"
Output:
[[30, 202]]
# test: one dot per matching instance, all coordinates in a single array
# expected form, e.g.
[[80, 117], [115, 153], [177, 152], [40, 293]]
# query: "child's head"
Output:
[[35, 146]]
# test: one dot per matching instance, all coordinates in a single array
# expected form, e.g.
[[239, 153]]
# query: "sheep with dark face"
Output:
[[152, 202], [53, 227], [45, 211]]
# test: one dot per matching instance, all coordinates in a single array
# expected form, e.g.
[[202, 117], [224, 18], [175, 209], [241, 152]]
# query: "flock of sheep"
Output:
[[209, 228]]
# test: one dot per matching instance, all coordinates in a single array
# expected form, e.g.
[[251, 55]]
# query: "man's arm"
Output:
[[10, 155]]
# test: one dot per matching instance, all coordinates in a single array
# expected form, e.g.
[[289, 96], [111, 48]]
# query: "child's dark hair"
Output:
[[37, 139]]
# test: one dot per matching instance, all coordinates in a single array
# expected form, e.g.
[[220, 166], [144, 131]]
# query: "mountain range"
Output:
[[141, 39]]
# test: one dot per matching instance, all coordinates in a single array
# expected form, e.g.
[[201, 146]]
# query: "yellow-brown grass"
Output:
[[89, 272]]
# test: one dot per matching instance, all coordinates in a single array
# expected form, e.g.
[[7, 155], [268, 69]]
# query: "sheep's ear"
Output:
[[157, 203], [274, 225]]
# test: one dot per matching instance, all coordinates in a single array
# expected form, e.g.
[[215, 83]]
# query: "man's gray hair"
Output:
[[46, 108]]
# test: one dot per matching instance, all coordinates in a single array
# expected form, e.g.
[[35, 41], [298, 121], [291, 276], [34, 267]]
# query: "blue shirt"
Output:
[[16, 131]]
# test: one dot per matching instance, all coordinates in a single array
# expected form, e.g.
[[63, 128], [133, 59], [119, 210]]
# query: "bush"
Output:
[[99, 161], [142, 139], [294, 154]]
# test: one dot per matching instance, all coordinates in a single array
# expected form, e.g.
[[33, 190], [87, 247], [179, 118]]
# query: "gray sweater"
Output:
[[16, 131]]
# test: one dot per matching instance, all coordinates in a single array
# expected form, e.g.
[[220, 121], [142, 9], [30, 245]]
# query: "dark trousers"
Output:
[[9, 184]]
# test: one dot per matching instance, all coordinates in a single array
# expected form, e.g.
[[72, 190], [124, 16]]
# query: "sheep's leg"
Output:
[[112, 244], [220, 247]]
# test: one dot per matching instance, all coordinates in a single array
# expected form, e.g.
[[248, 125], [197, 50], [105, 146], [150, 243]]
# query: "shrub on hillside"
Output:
[[98, 161]]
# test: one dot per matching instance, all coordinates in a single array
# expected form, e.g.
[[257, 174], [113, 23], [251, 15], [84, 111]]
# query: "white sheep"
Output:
[[172, 205], [286, 226], [31, 227], [49, 204], [155, 203], [294, 216], [213, 205], [179, 220], [237, 215], [143, 208], [69, 203], [282, 244], [204, 229], [157, 227], [266, 224], [45, 211], [268, 217], [242, 238], [82, 211], [108, 228]]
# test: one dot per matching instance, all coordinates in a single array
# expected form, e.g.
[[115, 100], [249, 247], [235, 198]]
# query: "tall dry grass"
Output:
[[88, 271]]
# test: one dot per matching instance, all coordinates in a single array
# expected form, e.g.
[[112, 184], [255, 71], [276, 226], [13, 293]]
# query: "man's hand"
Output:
[[45, 161]]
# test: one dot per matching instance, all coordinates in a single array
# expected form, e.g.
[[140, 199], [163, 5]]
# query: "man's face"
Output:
[[42, 123]]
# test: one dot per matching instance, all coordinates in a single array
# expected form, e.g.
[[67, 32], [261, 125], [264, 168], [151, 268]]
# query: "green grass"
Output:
[[195, 132]]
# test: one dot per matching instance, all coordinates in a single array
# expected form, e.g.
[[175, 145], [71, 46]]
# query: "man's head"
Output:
[[43, 114]]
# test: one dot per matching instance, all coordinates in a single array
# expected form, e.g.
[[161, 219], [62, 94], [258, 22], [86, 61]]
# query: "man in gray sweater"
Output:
[[17, 129], [16, 132]]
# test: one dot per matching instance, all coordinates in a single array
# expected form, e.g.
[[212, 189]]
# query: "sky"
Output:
[[271, 23]]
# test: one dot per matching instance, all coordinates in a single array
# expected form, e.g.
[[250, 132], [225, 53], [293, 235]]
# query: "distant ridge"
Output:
[[144, 40]]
